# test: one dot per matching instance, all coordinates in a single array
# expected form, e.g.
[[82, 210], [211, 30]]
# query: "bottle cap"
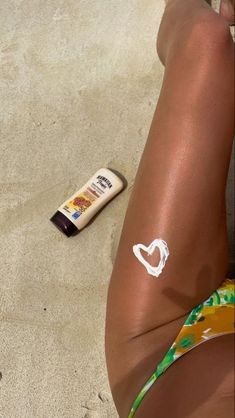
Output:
[[64, 224]]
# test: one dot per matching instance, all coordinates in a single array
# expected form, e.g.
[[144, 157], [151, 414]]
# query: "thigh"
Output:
[[178, 196]]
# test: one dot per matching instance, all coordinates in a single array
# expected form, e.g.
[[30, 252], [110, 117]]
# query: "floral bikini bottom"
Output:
[[210, 319]]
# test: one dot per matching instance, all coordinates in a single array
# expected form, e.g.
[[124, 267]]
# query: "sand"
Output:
[[78, 85]]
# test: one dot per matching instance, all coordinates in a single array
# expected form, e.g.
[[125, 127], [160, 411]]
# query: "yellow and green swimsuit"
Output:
[[210, 319]]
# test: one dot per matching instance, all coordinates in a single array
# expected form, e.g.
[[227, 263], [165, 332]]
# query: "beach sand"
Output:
[[79, 81]]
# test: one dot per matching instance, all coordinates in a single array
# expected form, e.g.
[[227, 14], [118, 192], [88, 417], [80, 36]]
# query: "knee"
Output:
[[210, 38], [205, 35]]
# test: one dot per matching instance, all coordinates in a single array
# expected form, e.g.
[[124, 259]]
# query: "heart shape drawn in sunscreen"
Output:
[[164, 254]]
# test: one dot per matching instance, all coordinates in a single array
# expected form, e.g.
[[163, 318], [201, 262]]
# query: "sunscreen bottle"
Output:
[[75, 213]]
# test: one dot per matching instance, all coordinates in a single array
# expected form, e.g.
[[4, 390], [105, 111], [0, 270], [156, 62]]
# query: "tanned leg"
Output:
[[178, 195]]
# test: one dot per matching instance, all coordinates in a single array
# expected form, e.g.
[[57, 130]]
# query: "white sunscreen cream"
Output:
[[75, 213], [164, 254]]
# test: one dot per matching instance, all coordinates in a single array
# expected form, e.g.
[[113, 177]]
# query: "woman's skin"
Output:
[[179, 196], [227, 10]]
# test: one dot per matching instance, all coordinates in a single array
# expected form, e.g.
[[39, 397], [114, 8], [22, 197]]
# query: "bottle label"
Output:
[[94, 193], [80, 203]]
